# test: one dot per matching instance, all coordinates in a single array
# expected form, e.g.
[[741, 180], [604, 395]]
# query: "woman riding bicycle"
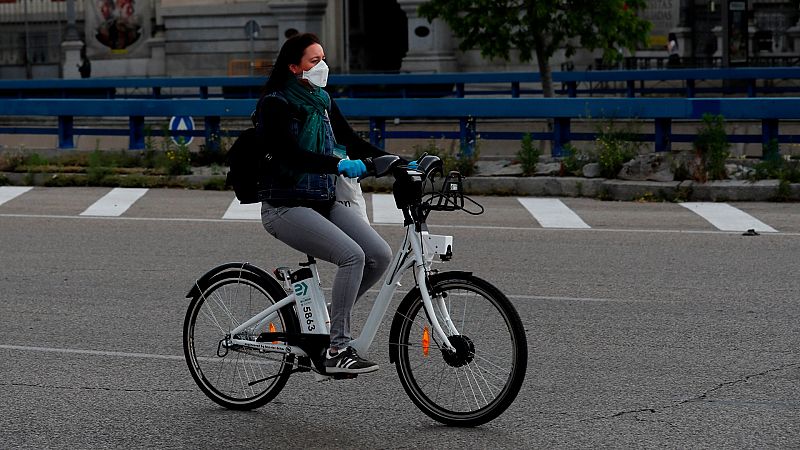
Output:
[[312, 144]]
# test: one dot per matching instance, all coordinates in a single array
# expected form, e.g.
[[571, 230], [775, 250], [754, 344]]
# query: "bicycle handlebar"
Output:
[[409, 185]]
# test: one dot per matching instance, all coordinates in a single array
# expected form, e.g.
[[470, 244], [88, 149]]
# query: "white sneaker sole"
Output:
[[332, 370]]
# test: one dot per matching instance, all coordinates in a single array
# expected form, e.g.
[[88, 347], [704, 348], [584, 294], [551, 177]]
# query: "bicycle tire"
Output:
[[227, 300], [489, 367]]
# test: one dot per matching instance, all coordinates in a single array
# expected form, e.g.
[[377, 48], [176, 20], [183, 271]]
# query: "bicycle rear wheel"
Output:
[[236, 378], [482, 378]]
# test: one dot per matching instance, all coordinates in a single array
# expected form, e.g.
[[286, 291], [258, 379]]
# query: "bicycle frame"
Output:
[[410, 254]]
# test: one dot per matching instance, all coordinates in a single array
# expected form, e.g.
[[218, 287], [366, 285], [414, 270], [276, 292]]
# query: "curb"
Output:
[[620, 190], [547, 186]]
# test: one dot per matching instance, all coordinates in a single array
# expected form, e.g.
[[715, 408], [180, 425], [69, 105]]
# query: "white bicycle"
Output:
[[457, 342]]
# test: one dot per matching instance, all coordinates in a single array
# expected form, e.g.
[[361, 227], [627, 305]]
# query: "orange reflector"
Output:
[[426, 341], [272, 329]]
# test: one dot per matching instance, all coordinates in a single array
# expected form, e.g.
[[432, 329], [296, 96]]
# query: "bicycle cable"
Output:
[[449, 201]]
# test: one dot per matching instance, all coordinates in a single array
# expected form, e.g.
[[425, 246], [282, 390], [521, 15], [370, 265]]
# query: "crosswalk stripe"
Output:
[[238, 211], [727, 218], [115, 203], [384, 209], [552, 213], [10, 192]]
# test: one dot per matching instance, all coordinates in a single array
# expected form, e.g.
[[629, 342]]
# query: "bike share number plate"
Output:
[[436, 244], [311, 309]]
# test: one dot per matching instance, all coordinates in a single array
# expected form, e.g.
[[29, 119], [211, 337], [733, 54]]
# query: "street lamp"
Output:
[[251, 30]]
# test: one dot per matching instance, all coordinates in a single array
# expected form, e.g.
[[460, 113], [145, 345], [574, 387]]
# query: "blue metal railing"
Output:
[[468, 112], [632, 83]]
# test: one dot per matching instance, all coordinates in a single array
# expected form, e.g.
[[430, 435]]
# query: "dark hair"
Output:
[[291, 53]]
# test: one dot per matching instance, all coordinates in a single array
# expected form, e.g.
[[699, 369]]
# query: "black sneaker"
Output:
[[348, 361]]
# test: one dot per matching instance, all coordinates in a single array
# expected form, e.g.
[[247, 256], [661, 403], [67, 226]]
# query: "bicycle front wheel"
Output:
[[481, 379], [236, 377]]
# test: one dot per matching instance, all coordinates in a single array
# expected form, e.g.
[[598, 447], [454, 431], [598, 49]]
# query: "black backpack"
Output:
[[247, 159]]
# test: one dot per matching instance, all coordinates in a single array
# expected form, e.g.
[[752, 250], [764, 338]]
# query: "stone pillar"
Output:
[[717, 30], [72, 45], [72, 58], [430, 45], [303, 16], [157, 64]]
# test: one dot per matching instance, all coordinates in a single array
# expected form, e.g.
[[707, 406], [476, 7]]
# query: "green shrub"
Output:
[[574, 160], [100, 167], [528, 155], [35, 159], [773, 166], [178, 159], [615, 146], [207, 157], [711, 149]]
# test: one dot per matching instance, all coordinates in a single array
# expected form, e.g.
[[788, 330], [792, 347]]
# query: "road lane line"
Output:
[[115, 203], [238, 211], [552, 213], [90, 352], [384, 209], [727, 218], [490, 228], [11, 192]]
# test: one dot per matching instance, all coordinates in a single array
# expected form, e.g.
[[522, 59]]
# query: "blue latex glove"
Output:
[[412, 165], [352, 169]]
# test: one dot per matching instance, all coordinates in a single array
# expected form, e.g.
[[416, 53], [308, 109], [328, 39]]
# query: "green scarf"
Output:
[[315, 102]]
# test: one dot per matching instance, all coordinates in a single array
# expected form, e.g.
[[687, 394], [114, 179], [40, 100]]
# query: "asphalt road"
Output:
[[649, 329]]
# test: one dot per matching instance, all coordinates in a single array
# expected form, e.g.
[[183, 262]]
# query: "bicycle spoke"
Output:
[[471, 373], [236, 376], [208, 313], [478, 356], [478, 381]]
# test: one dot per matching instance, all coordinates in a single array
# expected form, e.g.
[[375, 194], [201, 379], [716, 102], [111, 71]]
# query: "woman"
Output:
[[310, 143]]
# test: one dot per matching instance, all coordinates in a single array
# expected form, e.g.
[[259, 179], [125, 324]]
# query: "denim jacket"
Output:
[[281, 183]]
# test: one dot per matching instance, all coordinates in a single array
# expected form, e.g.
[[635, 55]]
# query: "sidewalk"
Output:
[[498, 177], [495, 179]]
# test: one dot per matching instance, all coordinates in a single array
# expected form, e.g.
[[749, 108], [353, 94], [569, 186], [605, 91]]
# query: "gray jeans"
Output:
[[343, 238]]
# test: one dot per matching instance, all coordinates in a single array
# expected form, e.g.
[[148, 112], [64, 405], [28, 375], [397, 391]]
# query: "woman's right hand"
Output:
[[352, 168]]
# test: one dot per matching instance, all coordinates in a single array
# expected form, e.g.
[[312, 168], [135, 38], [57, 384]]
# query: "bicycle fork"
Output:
[[427, 302]]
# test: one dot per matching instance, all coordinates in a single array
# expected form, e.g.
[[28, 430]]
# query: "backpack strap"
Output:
[[256, 112]]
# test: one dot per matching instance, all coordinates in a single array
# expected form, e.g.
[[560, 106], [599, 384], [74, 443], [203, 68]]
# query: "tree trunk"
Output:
[[547, 81], [545, 70]]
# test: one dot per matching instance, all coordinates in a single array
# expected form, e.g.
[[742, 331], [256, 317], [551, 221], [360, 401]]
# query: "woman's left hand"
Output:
[[352, 168]]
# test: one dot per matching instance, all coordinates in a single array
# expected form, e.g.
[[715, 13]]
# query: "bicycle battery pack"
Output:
[[311, 309]]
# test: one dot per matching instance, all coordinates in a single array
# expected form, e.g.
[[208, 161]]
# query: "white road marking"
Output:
[[491, 228], [115, 203], [727, 218], [238, 211], [552, 213], [384, 209], [10, 192], [90, 352]]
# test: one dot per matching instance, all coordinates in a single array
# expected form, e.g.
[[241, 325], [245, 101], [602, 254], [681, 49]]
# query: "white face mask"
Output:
[[318, 75]]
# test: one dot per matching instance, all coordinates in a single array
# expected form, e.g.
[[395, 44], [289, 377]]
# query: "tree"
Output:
[[541, 27]]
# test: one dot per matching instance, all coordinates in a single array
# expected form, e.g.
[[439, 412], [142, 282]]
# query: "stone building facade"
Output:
[[149, 38]]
